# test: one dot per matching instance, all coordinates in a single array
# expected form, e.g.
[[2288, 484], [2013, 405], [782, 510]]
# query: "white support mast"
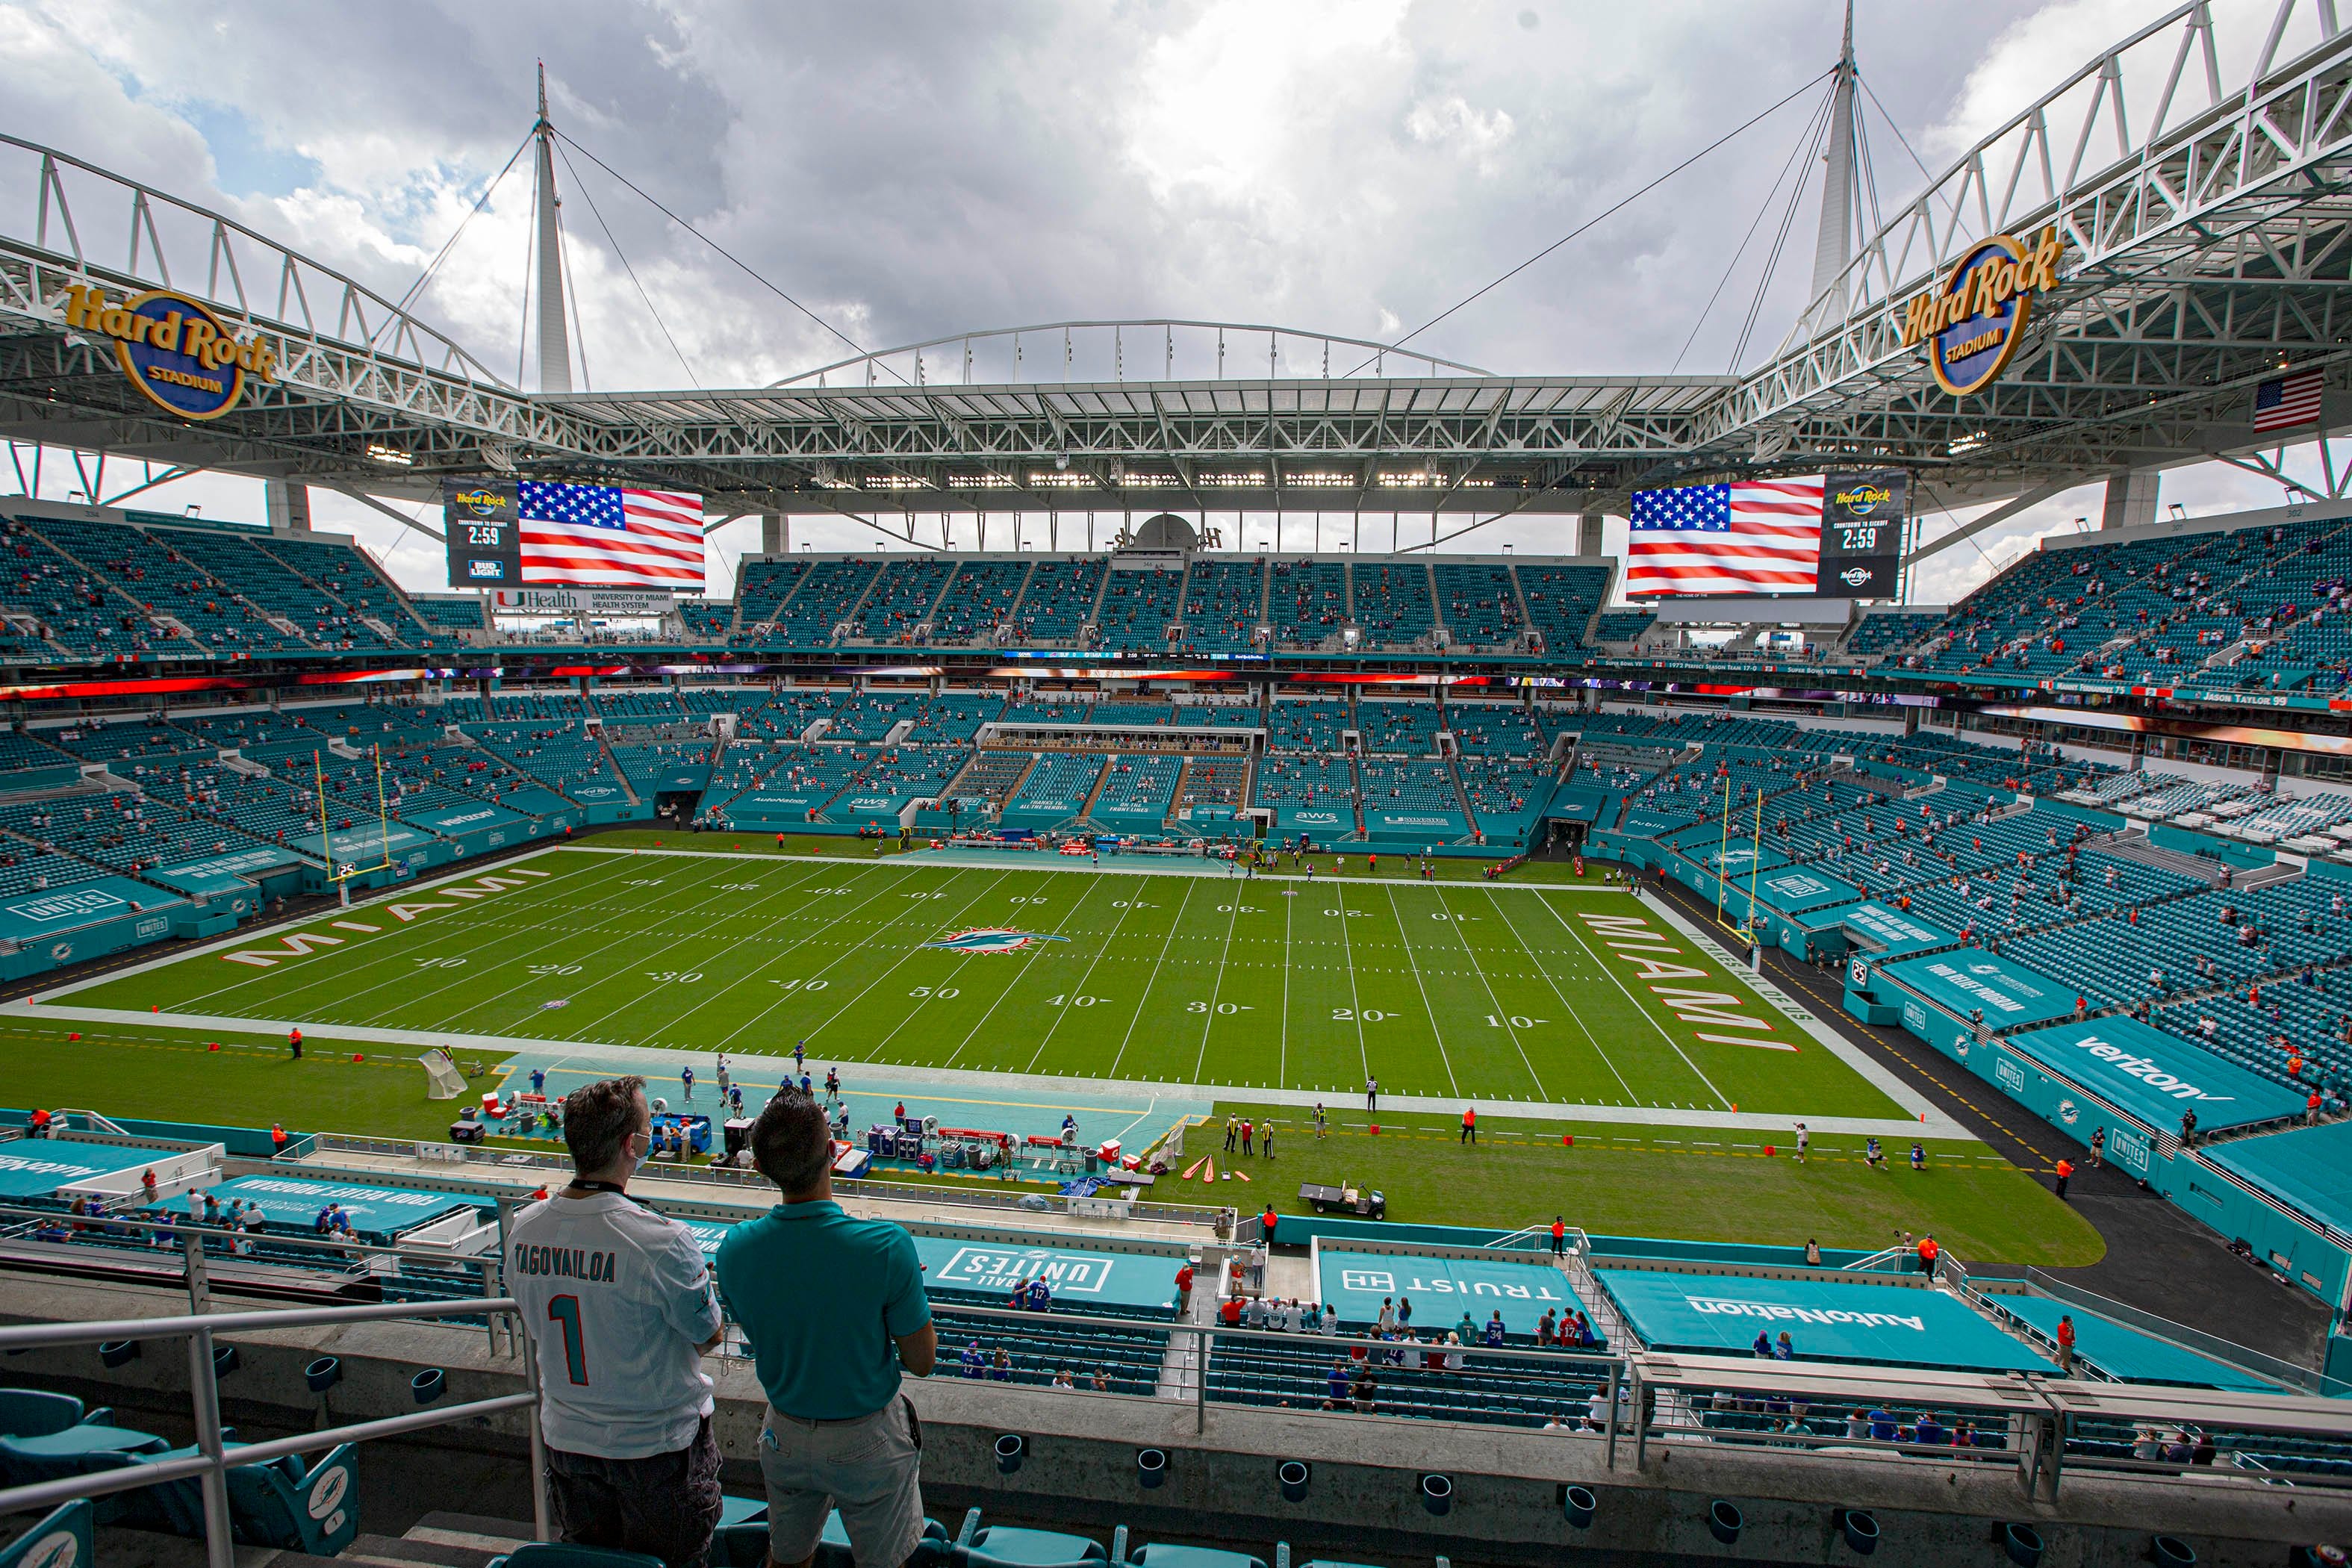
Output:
[[555, 343], [1835, 246]]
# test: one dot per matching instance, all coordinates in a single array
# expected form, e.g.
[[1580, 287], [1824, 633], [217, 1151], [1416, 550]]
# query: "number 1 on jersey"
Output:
[[565, 1310]]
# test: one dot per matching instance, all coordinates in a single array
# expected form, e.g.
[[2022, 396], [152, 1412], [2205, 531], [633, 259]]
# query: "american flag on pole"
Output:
[[601, 536], [1759, 536], [2288, 401]]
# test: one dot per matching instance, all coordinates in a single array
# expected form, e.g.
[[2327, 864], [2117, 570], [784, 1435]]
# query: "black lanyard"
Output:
[[580, 1184]]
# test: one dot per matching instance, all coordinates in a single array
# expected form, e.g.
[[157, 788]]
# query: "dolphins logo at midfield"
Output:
[[991, 938]]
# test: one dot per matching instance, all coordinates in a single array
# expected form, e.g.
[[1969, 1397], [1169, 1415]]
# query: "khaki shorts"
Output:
[[869, 1469]]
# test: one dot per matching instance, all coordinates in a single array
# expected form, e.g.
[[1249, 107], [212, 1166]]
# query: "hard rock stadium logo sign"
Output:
[[991, 938], [173, 349], [1973, 326]]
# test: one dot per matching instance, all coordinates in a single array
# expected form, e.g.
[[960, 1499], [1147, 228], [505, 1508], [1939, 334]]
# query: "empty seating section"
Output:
[[559, 753], [1059, 603], [1505, 793], [1389, 784], [1497, 729], [762, 585], [465, 615], [823, 600], [24, 751], [788, 714], [1153, 712], [1480, 603], [1060, 783], [341, 570], [1044, 710], [902, 598], [25, 869], [703, 617], [1306, 781], [953, 717], [656, 706], [979, 600], [1622, 626], [1403, 1380], [1221, 601], [1307, 603], [743, 764], [1211, 781], [1036, 1348], [158, 583], [1138, 607], [1133, 785], [873, 715], [700, 701], [896, 771], [124, 740], [650, 766], [270, 585], [1308, 724], [1399, 728], [1882, 632], [989, 779], [1394, 603], [1561, 600]]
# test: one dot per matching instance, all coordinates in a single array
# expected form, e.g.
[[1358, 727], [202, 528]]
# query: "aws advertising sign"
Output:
[[1974, 324], [174, 349]]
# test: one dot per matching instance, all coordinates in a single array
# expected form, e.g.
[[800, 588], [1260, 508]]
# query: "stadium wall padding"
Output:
[[251, 1142], [2300, 1251]]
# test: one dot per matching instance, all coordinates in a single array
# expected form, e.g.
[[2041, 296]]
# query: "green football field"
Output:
[[1481, 992]]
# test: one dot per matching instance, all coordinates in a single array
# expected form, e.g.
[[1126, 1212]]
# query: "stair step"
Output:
[[408, 1549], [472, 1531]]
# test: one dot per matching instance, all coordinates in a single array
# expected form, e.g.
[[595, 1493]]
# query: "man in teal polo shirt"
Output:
[[834, 1312]]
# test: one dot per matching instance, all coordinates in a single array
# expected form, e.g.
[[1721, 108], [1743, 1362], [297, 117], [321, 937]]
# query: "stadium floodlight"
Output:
[[398, 458]]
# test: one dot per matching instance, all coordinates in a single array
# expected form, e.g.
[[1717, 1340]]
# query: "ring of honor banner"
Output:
[[485, 529], [1861, 534]]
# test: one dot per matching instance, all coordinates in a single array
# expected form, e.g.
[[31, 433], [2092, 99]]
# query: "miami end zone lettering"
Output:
[[299, 945]]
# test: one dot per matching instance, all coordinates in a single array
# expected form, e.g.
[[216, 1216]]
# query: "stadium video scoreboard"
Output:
[[1832, 535], [484, 526], [1861, 534]]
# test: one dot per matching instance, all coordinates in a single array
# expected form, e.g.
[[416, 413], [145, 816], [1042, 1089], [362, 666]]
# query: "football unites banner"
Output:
[[1837, 534], [528, 534]]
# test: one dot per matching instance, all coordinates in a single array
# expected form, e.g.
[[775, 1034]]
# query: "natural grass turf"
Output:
[[1686, 1182], [1455, 991]]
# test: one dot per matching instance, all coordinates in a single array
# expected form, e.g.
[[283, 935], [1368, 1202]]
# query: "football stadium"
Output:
[[1421, 963]]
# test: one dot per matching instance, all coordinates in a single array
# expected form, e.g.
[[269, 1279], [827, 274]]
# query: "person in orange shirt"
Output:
[[2065, 1173], [1927, 1251], [2066, 1343], [1559, 1237], [1469, 1124]]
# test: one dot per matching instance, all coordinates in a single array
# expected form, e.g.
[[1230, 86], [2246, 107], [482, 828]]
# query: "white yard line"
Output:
[[1427, 1011], [1153, 979], [1606, 1059], [1502, 1014]]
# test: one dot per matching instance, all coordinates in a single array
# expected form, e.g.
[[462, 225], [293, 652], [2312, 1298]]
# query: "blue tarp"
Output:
[[2156, 1076], [35, 1168], [2126, 1353], [1892, 932], [377, 1214], [31, 917], [1442, 1289], [1887, 1325], [2007, 993], [1077, 1278], [2310, 1169], [1793, 889]]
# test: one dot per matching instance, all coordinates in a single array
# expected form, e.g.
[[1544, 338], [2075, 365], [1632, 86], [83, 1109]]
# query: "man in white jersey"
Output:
[[620, 1309]]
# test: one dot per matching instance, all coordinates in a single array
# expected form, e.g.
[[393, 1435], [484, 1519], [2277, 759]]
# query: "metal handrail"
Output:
[[212, 1464]]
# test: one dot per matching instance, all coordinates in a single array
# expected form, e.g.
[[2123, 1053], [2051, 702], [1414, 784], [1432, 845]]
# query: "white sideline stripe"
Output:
[[663, 1057]]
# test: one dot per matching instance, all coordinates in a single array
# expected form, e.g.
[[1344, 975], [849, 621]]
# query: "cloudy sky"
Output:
[[908, 171]]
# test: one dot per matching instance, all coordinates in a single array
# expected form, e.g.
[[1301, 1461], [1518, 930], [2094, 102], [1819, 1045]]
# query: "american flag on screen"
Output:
[[601, 536], [2288, 401], [1760, 536]]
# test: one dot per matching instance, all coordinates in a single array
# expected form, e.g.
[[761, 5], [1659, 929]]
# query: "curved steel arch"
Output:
[[875, 363], [157, 228]]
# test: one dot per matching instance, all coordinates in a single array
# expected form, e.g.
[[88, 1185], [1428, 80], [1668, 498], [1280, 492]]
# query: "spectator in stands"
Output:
[[633, 1462], [834, 1312]]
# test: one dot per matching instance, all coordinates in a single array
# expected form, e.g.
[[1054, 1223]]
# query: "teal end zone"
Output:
[[377, 1214], [37, 1168], [2007, 995], [1441, 1289], [2155, 1076], [1887, 1325], [2310, 1169], [2126, 1354], [1080, 1281]]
